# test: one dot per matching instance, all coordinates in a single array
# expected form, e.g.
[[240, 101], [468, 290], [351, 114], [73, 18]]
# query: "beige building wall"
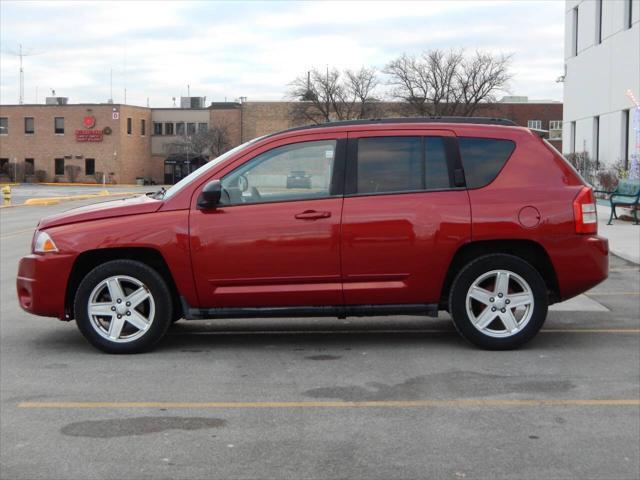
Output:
[[135, 148]]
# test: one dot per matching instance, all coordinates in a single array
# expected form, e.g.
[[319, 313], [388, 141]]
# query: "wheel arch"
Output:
[[88, 260], [528, 250]]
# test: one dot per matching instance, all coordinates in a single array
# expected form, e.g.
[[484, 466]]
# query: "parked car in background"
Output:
[[298, 179], [478, 217]]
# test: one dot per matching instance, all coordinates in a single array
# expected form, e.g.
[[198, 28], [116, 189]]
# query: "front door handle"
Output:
[[312, 215]]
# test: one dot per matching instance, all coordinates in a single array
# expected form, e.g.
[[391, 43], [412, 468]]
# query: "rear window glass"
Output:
[[483, 158]]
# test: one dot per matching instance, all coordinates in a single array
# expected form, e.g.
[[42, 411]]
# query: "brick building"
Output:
[[92, 139], [125, 142]]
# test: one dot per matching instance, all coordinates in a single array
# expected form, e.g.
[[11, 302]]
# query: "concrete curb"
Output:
[[30, 202]]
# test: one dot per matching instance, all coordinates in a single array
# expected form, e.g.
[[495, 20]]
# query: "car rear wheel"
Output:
[[498, 302], [123, 306]]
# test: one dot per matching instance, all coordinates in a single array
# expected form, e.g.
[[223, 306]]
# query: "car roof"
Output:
[[378, 123]]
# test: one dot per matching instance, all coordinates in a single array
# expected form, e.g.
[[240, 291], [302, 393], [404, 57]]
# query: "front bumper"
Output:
[[42, 283]]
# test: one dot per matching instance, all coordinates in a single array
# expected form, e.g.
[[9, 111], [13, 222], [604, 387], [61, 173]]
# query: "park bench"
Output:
[[627, 193]]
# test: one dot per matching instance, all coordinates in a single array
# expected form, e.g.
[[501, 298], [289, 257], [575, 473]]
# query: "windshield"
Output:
[[205, 168]]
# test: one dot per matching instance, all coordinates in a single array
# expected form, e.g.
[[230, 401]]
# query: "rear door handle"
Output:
[[312, 215]]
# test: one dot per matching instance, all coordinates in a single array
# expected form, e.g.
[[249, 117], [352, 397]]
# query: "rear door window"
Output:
[[483, 158], [401, 164]]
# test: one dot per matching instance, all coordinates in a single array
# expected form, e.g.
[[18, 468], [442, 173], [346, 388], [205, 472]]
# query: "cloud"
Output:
[[254, 49]]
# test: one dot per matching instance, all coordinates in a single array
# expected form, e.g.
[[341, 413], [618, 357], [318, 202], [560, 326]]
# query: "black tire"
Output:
[[155, 286], [473, 271]]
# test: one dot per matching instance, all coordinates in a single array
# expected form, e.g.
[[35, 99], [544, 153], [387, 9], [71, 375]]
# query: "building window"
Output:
[[4, 165], [180, 128], [29, 166], [59, 168], [58, 125], [202, 127], [89, 166], [574, 38], [555, 129], [625, 137], [4, 126], [535, 124], [598, 21], [168, 128], [596, 141], [29, 126], [129, 125], [143, 127], [628, 13], [157, 128], [191, 128], [572, 140]]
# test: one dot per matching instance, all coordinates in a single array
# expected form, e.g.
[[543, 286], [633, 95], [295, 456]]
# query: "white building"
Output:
[[602, 62]]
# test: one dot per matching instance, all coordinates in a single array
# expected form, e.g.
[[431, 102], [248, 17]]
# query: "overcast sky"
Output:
[[254, 49]]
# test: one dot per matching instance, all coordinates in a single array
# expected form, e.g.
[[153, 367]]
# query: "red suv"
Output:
[[478, 217]]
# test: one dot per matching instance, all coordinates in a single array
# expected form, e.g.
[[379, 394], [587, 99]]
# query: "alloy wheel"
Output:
[[500, 303], [121, 308]]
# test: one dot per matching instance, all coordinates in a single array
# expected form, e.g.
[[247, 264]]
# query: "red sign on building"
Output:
[[88, 135]]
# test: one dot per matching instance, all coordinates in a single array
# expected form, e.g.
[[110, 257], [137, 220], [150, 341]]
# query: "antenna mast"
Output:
[[21, 101]]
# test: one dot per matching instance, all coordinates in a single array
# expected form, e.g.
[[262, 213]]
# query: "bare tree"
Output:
[[212, 142], [448, 82], [480, 78], [333, 95], [360, 87]]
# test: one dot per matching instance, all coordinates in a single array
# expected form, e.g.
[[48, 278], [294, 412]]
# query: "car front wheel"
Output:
[[123, 306], [498, 302]]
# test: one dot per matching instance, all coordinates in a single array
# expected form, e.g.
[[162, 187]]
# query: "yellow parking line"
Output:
[[590, 330], [625, 402], [605, 294]]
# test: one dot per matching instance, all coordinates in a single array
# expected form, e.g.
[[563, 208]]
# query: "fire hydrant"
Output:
[[6, 193]]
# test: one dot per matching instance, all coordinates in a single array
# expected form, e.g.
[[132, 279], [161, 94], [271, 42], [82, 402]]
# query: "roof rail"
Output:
[[470, 120]]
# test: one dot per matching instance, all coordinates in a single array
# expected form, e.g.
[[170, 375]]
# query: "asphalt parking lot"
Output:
[[387, 398]]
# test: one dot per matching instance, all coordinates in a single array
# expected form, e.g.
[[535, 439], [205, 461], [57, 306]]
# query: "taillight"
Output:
[[585, 213]]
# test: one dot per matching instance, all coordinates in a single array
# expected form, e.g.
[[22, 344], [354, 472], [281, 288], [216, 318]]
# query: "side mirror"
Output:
[[210, 196]]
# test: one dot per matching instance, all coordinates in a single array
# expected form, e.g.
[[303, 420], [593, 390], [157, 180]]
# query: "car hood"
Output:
[[96, 211]]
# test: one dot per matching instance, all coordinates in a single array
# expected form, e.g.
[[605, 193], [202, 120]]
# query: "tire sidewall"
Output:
[[158, 289], [468, 275]]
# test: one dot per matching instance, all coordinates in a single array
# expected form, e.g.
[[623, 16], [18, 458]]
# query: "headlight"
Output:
[[44, 244]]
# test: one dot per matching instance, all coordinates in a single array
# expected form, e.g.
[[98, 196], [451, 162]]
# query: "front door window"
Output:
[[292, 172]]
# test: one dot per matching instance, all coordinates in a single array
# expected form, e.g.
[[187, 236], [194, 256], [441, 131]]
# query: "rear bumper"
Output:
[[581, 262], [42, 282]]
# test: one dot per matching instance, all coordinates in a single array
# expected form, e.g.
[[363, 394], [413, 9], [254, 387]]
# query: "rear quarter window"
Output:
[[483, 158]]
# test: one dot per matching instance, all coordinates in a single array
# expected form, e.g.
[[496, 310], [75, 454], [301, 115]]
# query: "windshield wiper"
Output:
[[158, 195]]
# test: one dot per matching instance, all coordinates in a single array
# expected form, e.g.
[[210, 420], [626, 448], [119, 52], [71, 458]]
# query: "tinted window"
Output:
[[59, 166], [29, 166], [292, 172], [29, 126], [89, 166], [437, 172], [389, 164], [483, 158], [58, 125], [397, 164]]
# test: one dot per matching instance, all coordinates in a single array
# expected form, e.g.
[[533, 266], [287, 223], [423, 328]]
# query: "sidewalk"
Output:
[[624, 236]]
